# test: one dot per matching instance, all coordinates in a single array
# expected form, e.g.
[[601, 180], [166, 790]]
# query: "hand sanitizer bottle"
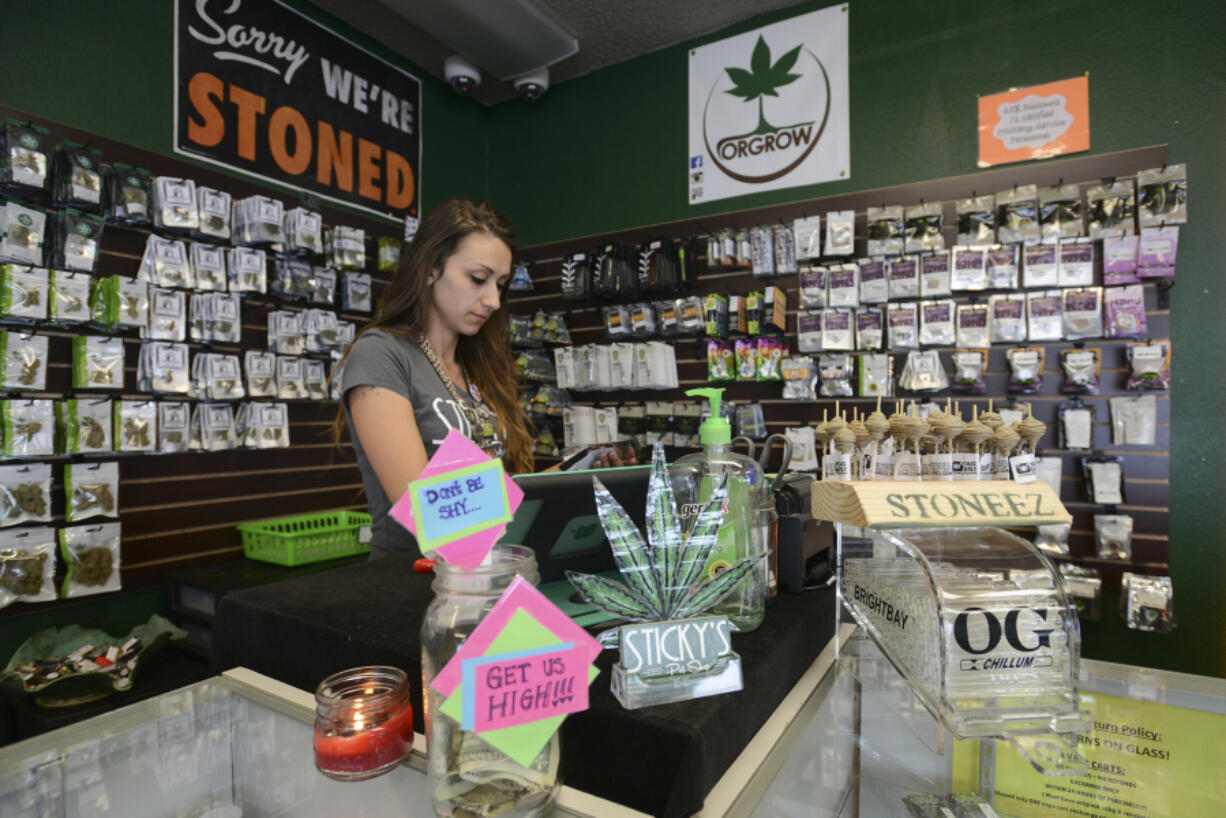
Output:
[[694, 478]]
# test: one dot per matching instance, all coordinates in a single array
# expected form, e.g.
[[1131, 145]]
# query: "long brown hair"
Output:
[[486, 356]]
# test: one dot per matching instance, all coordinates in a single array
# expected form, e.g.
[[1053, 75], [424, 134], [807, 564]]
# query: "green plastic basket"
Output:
[[305, 538]]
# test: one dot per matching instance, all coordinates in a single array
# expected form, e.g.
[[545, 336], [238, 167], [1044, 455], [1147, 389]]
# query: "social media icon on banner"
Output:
[[695, 162]]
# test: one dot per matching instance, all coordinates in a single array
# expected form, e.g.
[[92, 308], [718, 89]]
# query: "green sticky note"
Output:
[[524, 742]]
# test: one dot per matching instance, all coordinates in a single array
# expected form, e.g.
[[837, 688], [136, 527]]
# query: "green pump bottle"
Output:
[[694, 477]]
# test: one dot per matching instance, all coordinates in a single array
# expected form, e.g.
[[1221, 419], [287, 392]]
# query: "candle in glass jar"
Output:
[[363, 722]]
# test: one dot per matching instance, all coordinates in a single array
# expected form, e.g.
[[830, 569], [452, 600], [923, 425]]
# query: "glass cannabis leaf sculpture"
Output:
[[661, 581]]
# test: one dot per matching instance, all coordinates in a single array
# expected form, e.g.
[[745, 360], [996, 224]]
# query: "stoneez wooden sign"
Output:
[[890, 504]]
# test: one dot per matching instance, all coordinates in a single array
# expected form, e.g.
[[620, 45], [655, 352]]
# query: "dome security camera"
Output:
[[533, 85], [463, 75]]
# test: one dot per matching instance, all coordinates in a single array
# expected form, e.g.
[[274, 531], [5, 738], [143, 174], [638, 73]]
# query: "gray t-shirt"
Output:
[[394, 362]]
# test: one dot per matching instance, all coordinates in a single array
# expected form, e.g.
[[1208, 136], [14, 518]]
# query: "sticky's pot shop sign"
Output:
[[768, 109], [259, 88]]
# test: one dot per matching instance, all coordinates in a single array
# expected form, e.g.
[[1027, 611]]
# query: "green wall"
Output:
[[118, 83], [607, 152]]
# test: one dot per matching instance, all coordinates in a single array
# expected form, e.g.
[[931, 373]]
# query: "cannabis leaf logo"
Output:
[[763, 79], [661, 582]]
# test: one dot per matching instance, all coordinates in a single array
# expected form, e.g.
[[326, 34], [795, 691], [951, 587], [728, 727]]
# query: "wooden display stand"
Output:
[[900, 504]]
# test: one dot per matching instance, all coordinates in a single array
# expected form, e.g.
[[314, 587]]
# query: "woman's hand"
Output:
[[611, 459]]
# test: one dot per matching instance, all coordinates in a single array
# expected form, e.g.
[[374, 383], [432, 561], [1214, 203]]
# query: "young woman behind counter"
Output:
[[436, 358]]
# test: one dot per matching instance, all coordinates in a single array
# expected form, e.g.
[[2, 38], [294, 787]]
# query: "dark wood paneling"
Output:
[[179, 511]]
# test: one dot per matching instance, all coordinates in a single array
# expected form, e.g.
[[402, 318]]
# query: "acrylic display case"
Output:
[[977, 621]]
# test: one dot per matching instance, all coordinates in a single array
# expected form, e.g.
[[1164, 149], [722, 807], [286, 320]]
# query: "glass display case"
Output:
[[851, 739], [234, 746]]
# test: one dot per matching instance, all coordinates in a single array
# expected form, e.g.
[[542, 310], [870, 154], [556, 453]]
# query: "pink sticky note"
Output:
[[510, 689], [458, 452], [519, 595]]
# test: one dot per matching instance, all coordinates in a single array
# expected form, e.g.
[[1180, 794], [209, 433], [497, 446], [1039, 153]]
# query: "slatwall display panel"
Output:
[[180, 510], [1147, 468]]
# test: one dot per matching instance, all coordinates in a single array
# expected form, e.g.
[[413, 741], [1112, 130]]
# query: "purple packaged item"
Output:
[[1045, 316], [873, 286], [1125, 307], [903, 274], [970, 269], [935, 274], [870, 328], [1076, 263], [1002, 267], [1156, 254], [1120, 260], [1040, 267]]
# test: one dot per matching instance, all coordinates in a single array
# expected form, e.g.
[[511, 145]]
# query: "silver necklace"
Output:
[[432, 357]]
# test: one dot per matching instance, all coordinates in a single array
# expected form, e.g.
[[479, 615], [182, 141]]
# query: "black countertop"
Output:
[[660, 760]]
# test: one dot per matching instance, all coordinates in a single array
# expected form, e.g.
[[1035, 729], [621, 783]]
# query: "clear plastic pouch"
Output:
[[922, 228], [257, 221], [216, 426], [91, 555], [260, 369], [174, 421], [285, 333], [209, 267], [24, 292], [885, 231], [130, 195], [222, 315], [315, 374], [85, 425], [91, 490], [29, 427], [1113, 536], [68, 302], [165, 263], [135, 426], [248, 270], [25, 494], [1017, 215], [24, 163], [214, 208], [174, 205], [345, 248], [163, 368], [25, 361], [355, 292], [840, 232], [1162, 195], [27, 565], [976, 221], [291, 383], [76, 241], [167, 315], [76, 177]]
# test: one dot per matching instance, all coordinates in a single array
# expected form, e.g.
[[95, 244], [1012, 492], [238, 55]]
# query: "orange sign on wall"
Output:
[[1038, 122]]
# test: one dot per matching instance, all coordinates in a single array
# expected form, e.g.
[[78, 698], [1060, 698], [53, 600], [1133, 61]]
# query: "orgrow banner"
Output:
[[260, 88], [768, 109]]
